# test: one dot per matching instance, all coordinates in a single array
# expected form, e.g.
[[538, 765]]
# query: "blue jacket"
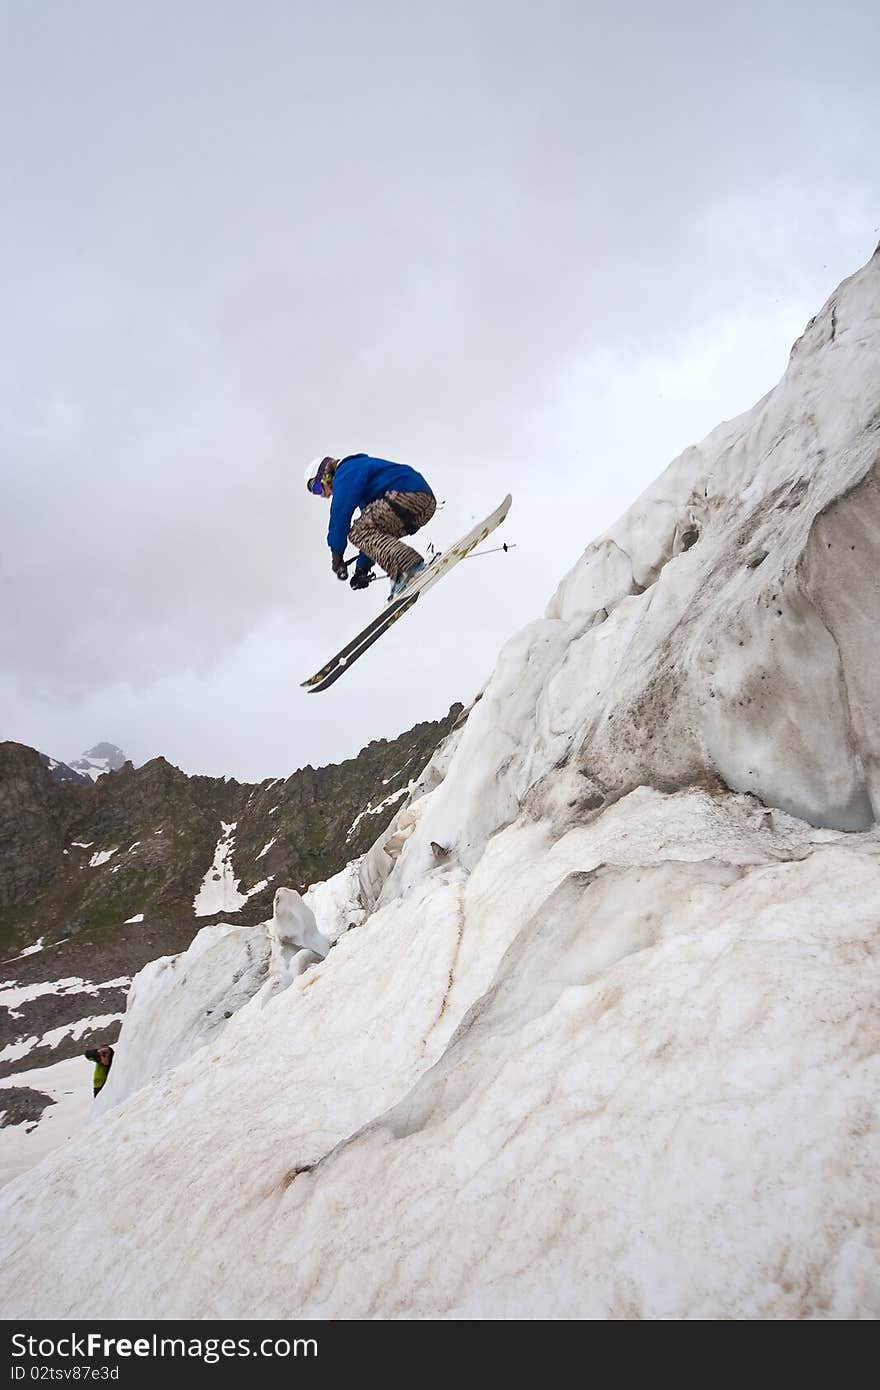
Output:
[[359, 480]]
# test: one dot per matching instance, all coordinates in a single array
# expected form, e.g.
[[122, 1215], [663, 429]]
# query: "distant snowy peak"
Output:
[[62, 772], [104, 757]]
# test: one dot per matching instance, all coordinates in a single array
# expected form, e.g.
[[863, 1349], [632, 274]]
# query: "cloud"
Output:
[[478, 239]]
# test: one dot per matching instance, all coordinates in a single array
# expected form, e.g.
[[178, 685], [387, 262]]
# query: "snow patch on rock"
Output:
[[219, 891]]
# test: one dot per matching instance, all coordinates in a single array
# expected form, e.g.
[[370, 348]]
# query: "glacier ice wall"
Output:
[[722, 630]]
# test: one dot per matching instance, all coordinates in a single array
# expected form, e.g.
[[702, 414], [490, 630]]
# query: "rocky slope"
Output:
[[110, 875]]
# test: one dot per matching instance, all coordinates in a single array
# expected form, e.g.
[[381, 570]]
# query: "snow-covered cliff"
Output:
[[603, 1041]]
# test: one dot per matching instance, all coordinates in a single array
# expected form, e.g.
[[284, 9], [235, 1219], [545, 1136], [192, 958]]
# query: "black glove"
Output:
[[360, 579], [339, 566]]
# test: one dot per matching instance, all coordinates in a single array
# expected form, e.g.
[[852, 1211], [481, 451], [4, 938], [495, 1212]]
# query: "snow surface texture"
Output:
[[68, 1084], [178, 1004], [604, 1043]]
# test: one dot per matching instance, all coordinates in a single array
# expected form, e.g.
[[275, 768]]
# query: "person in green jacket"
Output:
[[103, 1060]]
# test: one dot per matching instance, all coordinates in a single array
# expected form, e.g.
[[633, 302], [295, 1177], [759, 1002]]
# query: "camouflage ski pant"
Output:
[[380, 525]]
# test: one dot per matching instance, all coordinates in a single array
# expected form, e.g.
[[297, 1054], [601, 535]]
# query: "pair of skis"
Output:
[[440, 565]]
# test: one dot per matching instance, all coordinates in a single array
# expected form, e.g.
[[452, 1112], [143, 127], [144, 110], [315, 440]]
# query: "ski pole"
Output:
[[494, 551], [342, 572]]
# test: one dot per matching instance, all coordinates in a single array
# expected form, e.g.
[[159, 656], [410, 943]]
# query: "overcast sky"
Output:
[[526, 248]]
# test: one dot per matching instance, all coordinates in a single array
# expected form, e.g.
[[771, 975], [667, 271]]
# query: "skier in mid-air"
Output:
[[394, 501]]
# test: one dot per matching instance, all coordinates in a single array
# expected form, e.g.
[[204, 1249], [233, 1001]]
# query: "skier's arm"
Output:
[[345, 499]]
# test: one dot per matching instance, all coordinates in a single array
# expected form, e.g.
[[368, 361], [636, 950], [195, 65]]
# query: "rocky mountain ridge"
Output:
[[103, 877]]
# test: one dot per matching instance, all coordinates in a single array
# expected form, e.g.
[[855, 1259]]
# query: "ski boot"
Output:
[[404, 579]]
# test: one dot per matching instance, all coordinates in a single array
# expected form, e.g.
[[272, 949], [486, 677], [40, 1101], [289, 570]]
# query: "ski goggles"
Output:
[[317, 483]]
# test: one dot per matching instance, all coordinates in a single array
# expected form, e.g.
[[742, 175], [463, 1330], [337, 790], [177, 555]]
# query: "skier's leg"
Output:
[[417, 507], [378, 529], [377, 533]]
